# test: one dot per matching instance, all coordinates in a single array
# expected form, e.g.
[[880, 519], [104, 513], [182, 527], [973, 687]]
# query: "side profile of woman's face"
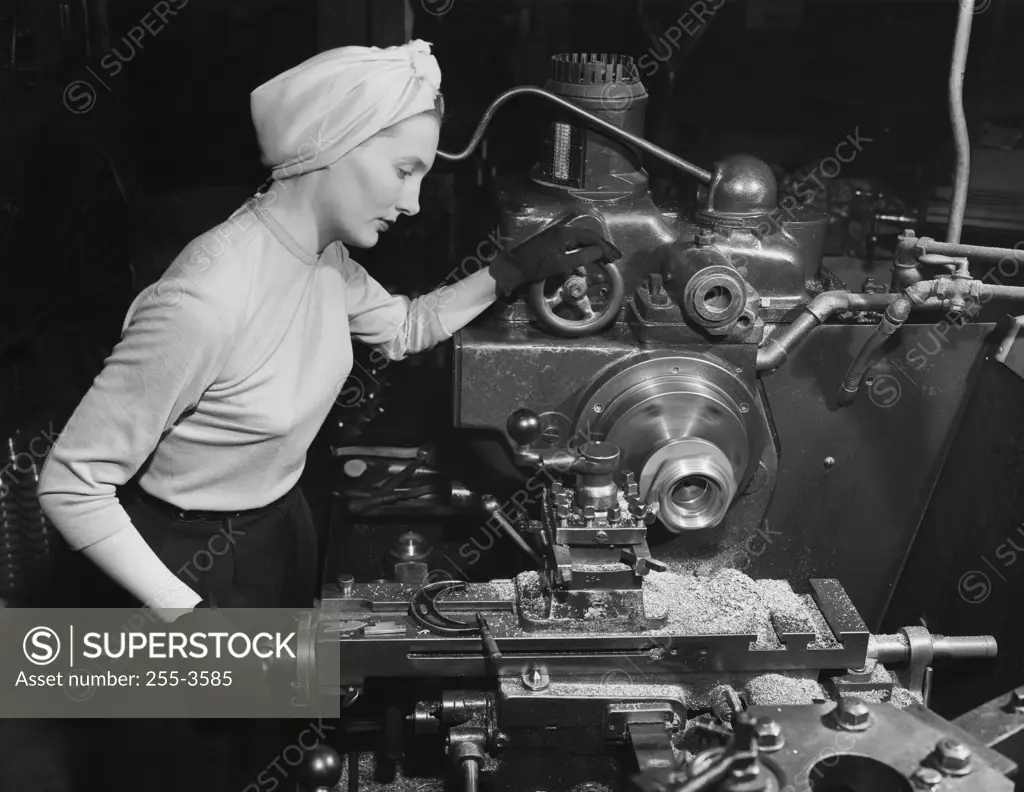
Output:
[[372, 185]]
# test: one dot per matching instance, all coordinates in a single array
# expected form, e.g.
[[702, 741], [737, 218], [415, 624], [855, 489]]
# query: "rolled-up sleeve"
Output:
[[399, 326], [174, 342]]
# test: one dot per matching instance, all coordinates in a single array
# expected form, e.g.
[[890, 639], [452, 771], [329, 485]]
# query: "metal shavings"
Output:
[[729, 602], [826, 638], [880, 675], [903, 698], [720, 604], [772, 690], [529, 582], [503, 589], [626, 689]]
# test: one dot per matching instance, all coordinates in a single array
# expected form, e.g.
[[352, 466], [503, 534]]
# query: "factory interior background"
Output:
[[119, 150]]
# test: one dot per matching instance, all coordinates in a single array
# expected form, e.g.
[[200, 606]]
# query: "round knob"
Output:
[[524, 426], [321, 769]]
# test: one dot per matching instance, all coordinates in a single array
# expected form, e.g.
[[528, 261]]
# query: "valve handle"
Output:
[[543, 306], [574, 291]]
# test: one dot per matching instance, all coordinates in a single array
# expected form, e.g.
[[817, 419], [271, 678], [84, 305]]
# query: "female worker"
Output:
[[177, 473]]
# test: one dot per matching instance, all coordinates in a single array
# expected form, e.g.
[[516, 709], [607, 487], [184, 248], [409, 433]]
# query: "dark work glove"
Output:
[[557, 250], [248, 673]]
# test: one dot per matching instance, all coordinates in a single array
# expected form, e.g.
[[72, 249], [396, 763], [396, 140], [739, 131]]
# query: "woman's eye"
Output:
[[404, 174]]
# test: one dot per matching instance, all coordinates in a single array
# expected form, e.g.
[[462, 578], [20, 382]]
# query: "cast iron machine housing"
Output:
[[660, 353], [651, 396]]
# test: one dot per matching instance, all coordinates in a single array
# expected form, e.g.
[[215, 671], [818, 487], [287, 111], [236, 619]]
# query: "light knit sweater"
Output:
[[226, 370]]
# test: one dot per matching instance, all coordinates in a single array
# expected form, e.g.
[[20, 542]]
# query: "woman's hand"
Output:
[[555, 251]]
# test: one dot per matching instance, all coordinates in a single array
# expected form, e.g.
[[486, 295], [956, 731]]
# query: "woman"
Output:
[[177, 473]]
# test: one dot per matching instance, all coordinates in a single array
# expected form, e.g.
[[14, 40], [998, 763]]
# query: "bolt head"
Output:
[[953, 756], [852, 713], [769, 734], [927, 778], [1017, 699]]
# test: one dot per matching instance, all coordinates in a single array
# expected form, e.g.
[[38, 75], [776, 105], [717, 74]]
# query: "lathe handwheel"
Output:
[[575, 291]]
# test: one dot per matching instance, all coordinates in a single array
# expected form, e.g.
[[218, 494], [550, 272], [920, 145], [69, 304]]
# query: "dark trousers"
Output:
[[263, 559]]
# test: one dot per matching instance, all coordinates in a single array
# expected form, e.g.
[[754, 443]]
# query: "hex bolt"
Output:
[[1017, 699], [614, 514], [953, 757], [769, 735], [535, 679], [926, 778], [852, 714], [704, 237]]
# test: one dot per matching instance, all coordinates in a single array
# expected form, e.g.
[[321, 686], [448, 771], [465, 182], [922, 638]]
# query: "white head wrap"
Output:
[[312, 115]]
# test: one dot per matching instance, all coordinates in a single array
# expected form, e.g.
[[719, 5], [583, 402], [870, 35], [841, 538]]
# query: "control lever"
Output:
[[641, 564], [493, 507], [524, 427]]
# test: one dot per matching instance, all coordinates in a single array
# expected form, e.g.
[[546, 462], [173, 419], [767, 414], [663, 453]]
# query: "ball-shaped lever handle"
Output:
[[524, 427], [321, 770]]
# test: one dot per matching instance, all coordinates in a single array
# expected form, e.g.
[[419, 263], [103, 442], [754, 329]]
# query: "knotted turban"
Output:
[[312, 115]]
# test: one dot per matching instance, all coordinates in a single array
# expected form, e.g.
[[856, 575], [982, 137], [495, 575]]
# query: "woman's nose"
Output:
[[409, 203]]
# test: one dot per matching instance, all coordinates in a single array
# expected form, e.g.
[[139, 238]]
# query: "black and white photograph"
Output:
[[511, 396]]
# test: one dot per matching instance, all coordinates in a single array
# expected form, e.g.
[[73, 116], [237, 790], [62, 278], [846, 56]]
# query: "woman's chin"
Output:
[[363, 239]]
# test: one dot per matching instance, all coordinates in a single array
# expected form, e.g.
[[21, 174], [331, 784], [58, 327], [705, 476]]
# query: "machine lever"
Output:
[[490, 645]]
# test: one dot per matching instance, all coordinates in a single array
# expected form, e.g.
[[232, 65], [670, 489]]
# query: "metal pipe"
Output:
[[470, 775], [1011, 335], [990, 291], [895, 315], [917, 295], [647, 147], [774, 351], [956, 111], [927, 245]]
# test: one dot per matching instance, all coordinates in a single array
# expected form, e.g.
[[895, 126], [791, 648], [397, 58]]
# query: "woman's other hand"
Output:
[[557, 250]]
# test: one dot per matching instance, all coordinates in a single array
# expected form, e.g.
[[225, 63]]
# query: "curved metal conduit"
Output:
[[701, 175]]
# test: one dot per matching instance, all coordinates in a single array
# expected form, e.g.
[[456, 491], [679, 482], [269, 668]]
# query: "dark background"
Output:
[[95, 205]]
